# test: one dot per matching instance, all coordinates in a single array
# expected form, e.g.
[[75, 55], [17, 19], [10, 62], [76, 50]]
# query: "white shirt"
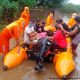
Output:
[[27, 31]]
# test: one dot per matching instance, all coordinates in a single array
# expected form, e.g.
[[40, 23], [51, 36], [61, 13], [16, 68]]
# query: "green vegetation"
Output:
[[10, 10], [52, 3], [70, 8]]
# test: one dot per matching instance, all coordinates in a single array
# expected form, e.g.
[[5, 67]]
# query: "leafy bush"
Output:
[[8, 10]]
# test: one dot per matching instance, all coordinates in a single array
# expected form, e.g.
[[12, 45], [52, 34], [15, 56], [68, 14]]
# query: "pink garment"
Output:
[[42, 34], [60, 39]]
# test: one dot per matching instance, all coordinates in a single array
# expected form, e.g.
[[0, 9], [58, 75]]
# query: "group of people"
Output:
[[45, 35], [49, 40]]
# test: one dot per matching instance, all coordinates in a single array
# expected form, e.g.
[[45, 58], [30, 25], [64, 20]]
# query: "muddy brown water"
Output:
[[25, 71]]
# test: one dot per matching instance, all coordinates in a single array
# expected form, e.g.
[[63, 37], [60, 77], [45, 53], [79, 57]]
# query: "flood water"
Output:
[[25, 71]]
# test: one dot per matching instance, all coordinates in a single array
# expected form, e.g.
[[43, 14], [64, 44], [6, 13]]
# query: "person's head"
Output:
[[49, 33], [43, 23], [74, 15], [51, 15], [38, 21], [57, 27], [26, 9], [41, 27], [59, 21], [31, 24], [77, 19], [51, 12]]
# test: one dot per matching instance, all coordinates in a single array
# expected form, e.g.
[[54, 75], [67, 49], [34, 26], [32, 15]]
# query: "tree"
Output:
[[8, 10], [70, 8], [51, 3], [44, 3]]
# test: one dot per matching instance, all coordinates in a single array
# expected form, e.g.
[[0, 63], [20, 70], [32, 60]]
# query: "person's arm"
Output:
[[60, 26], [74, 32], [26, 38], [69, 23]]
